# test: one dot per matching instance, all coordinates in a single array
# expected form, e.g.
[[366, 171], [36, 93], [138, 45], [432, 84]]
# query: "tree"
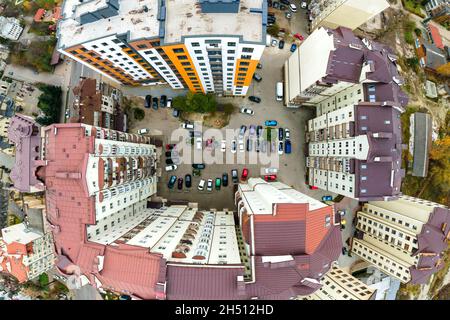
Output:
[[196, 102], [43, 280], [273, 30], [179, 103], [139, 114], [50, 102]]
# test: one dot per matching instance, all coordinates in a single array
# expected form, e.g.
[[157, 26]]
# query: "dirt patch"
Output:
[[217, 120]]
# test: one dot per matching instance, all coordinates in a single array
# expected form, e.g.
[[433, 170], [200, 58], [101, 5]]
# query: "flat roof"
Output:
[[20, 233], [139, 18], [186, 18]]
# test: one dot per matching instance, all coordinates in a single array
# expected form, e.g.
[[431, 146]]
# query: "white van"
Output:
[[279, 91], [143, 131]]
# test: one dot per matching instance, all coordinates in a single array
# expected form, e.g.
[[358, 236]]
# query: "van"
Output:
[[143, 131], [268, 40], [279, 91]]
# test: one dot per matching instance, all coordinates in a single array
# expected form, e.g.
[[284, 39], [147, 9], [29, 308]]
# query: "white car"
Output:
[[198, 143], [171, 168], [274, 42], [247, 111], [201, 185], [271, 170], [187, 125], [233, 146], [303, 5], [287, 134], [143, 131], [241, 146], [223, 146], [169, 103], [209, 186], [293, 7], [280, 147]]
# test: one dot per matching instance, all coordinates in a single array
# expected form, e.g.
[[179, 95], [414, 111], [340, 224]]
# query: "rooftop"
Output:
[[185, 18], [20, 233], [139, 18]]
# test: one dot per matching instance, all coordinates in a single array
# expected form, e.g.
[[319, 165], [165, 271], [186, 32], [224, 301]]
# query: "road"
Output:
[[86, 292]]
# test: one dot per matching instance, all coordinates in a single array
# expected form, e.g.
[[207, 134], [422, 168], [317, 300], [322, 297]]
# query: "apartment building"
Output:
[[97, 106], [204, 46], [10, 28], [346, 13], [405, 238], [356, 150], [24, 133], [26, 249], [291, 239], [338, 284], [334, 68], [438, 10]]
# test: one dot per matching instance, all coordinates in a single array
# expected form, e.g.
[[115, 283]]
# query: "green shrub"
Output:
[[139, 114]]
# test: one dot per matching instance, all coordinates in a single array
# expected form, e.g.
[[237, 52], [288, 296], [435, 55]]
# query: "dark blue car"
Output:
[[293, 47], [287, 147], [172, 181]]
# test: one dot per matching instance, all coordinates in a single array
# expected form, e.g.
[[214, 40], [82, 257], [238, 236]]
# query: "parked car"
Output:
[[188, 180], [280, 134], [176, 113], [199, 166], [254, 99], [249, 144], [172, 181], [257, 77], [271, 123], [269, 3], [286, 2], [235, 176], [303, 5], [281, 44], [299, 36], [170, 146], [242, 131], [282, 7], [274, 42], [163, 101], [259, 66], [198, 143], [180, 183], [225, 179], [168, 154], [259, 130], [209, 185], [327, 198], [271, 170], [293, 7], [172, 167], [233, 146], [288, 15], [252, 129], [169, 161], [187, 125], [169, 103], [244, 174], [148, 101], [241, 146], [155, 103], [270, 177], [280, 148], [247, 111], [293, 47], [195, 134], [287, 147], [276, 5], [143, 131], [201, 185], [287, 134], [223, 146], [313, 187], [218, 183]]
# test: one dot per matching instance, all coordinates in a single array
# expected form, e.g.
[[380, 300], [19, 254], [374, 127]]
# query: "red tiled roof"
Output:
[[316, 229], [437, 39]]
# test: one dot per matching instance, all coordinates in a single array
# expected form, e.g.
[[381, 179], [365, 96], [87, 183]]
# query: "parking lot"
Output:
[[291, 166]]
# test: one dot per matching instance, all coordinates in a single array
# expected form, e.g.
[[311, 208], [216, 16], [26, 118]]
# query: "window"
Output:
[[195, 44], [180, 50]]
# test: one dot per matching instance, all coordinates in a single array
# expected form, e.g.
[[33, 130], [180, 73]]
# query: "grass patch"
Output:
[[37, 56], [408, 291], [438, 278], [414, 6]]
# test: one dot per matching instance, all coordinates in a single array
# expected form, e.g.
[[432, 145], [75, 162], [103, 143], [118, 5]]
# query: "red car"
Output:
[[244, 175], [299, 36], [313, 187], [270, 177], [170, 146]]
